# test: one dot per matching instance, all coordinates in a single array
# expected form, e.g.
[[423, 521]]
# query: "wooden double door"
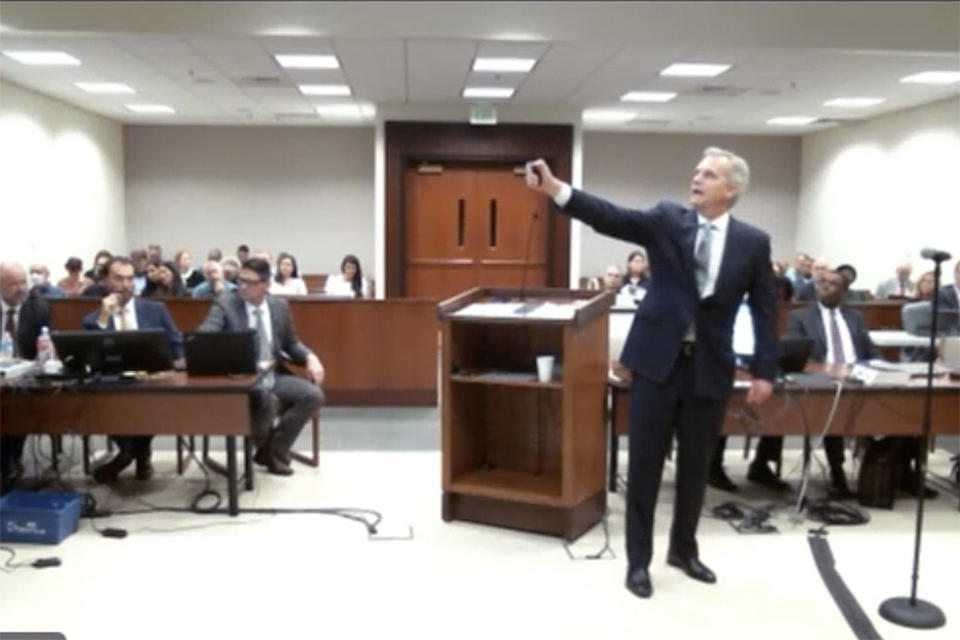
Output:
[[470, 225]]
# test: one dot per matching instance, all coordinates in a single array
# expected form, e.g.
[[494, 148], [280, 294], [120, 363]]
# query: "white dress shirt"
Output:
[[124, 318], [265, 313], [5, 308], [849, 352], [718, 241]]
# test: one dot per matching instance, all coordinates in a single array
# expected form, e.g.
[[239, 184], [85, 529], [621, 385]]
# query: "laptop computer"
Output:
[[218, 353]]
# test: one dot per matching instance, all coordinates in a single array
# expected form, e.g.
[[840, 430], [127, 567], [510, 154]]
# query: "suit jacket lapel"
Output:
[[723, 274], [240, 307], [275, 324], [688, 244], [818, 331]]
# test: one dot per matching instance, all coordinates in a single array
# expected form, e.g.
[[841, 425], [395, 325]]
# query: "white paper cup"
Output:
[[545, 368]]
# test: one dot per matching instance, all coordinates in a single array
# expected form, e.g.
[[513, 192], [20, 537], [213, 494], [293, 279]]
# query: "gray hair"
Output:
[[739, 175]]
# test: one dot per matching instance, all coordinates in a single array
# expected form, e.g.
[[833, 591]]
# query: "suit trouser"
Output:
[[770, 448], [294, 400], [137, 446], [11, 450], [656, 410]]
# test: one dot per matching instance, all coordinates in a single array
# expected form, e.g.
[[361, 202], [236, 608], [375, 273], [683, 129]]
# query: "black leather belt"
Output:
[[687, 348]]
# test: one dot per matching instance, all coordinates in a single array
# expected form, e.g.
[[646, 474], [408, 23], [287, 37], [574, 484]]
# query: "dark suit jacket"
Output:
[[948, 297], [150, 315], [229, 313], [808, 323], [668, 231], [34, 315]]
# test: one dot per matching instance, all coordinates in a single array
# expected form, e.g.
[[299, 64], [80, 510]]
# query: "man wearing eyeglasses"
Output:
[[280, 394]]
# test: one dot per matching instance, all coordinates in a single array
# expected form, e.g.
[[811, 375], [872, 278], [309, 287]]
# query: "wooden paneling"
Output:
[[376, 352], [408, 143]]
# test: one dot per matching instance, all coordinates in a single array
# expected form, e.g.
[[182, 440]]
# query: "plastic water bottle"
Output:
[[6, 346], [45, 349]]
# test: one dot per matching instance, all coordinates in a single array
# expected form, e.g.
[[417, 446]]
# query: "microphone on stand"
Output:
[[934, 254], [911, 611]]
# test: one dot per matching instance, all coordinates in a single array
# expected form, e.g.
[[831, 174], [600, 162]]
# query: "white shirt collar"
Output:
[[720, 222]]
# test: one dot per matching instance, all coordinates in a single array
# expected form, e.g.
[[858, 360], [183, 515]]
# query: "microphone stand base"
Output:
[[919, 614]]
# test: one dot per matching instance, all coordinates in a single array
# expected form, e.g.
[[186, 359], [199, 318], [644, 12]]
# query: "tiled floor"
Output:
[[306, 576]]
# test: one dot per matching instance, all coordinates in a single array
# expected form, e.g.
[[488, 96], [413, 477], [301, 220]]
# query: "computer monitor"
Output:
[[112, 352], [917, 319], [220, 352]]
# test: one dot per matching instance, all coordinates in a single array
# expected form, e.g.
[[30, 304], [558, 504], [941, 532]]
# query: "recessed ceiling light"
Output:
[[104, 87], [150, 108], [600, 116], [504, 65], [933, 77], [791, 121], [487, 92], [853, 102], [47, 58], [345, 111], [648, 96], [694, 70], [298, 61], [325, 89]]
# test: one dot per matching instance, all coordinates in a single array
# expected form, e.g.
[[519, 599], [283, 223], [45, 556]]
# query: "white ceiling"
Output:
[[212, 61]]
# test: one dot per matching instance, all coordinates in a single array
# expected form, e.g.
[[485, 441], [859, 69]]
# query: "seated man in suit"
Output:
[[899, 286], [23, 315], [121, 311], [950, 293], [839, 336], [252, 307]]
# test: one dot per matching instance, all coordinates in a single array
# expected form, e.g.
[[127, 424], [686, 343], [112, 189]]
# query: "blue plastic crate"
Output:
[[43, 517]]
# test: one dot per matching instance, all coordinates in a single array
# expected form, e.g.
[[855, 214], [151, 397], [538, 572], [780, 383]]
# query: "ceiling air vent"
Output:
[[717, 91], [833, 121], [262, 82]]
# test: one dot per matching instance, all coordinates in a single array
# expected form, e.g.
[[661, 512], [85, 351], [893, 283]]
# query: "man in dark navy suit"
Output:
[[679, 346], [24, 313], [121, 311]]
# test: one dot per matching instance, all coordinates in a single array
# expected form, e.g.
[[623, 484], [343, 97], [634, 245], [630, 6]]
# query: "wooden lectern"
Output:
[[518, 452]]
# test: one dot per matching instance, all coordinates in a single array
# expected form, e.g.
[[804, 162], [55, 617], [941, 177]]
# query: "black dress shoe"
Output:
[[692, 567], [144, 468], [839, 490], [264, 456], [638, 583], [107, 472], [760, 473], [719, 480]]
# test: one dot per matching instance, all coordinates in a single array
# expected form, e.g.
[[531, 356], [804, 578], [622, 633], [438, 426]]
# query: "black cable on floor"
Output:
[[852, 612]]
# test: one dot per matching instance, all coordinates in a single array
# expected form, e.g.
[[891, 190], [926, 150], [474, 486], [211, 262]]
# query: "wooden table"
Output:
[[803, 409], [167, 403]]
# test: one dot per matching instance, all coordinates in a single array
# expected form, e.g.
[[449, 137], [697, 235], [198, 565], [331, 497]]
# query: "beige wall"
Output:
[[639, 169], [877, 191], [305, 190], [61, 181]]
